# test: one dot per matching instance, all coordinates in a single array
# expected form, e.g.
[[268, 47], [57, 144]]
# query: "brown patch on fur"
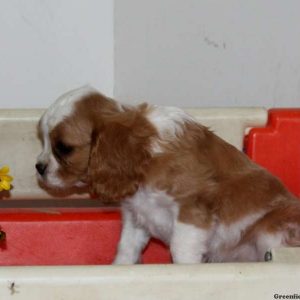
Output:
[[120, 155], [209, 177]]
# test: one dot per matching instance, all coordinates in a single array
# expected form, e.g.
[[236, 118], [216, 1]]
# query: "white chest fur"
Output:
[[154, 211]]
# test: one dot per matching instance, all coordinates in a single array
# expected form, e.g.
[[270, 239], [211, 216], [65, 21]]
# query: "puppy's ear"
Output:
[[119, 156]]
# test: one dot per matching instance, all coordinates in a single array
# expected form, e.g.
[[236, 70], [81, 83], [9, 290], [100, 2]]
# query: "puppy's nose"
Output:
[[41, 168]]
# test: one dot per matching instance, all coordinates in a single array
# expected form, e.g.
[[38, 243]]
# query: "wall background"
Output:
[[171, 52], [50, 46], [208, 52]]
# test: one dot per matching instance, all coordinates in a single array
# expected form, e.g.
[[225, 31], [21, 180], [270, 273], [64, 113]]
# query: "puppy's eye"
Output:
[[63, 149]]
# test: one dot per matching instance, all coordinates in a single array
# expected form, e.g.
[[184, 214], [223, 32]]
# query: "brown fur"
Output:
[[208, 176], [120, 155]]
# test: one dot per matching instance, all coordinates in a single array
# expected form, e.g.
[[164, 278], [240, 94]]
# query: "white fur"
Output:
[[267, 241], [168, 122], [64, 105], [51, 175], [133, 240], [188, 243], [155, 211], [148, 213], [224, 239]]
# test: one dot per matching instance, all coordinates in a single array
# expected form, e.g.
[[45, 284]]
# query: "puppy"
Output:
[[175, 180]]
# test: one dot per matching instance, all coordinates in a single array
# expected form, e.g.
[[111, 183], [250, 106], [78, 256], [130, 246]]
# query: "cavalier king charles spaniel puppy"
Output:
[[174, 179]]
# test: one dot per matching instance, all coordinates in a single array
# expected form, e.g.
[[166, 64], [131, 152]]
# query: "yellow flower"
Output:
[[5, 179]]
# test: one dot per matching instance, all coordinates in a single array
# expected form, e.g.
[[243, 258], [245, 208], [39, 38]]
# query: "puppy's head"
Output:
[[91, 141]]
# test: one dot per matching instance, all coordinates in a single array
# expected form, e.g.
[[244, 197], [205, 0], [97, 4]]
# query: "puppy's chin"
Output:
[[54, 184]]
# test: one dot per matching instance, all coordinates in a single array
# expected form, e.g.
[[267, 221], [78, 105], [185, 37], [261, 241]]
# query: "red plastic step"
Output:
[[66, 238], [277, 146]]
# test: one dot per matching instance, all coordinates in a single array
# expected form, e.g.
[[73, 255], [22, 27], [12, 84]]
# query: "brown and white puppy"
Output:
[[175, 180]]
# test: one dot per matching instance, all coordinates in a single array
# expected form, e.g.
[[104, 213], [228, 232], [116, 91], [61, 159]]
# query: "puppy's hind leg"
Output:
[[279, 228]]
